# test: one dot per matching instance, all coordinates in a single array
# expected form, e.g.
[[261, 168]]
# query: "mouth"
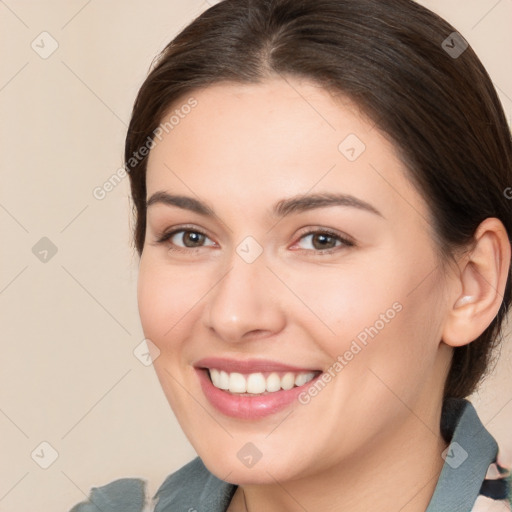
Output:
[[252, 389], [260, 383]]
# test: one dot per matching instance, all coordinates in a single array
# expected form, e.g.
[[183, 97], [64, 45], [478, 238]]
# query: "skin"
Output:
[[355, 445]]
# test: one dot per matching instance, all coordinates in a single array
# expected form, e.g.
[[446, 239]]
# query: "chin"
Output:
[[234, 472]]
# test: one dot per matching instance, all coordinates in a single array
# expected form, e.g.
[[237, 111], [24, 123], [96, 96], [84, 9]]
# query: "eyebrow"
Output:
[[296, 204]]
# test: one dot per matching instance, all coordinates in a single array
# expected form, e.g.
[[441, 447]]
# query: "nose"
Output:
[[244, 304]]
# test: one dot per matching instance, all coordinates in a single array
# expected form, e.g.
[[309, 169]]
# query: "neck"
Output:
[[399, 472]]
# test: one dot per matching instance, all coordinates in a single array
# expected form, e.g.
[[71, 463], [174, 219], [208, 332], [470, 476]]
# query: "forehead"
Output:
[[241, 143]]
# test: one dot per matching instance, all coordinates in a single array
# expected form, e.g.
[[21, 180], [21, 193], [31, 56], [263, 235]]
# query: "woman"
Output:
[[323, 230]]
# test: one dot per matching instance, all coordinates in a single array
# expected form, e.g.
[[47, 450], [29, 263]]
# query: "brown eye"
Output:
[[322, 240], [192, 238], [183, 239]]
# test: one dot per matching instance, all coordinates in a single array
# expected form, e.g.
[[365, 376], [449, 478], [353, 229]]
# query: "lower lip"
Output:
[[249, 407]]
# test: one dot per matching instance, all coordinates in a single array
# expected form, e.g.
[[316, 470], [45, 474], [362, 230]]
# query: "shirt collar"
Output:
[[468, 456]]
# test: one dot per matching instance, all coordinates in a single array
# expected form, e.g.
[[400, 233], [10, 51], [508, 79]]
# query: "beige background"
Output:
[[69, 325]]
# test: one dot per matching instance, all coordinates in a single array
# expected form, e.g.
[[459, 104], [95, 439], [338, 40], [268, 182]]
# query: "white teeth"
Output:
[[273, 382], [223, 380], [256, 383], [302, 378], [237, 383], [214, 374], [220, 379], [288, 381]]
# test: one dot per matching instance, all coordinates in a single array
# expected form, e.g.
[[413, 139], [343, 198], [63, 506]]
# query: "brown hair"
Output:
[[400, 63]]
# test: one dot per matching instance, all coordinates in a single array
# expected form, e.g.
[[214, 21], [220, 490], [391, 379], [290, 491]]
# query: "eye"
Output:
[[187, 239], [322, 240], [183, 239]]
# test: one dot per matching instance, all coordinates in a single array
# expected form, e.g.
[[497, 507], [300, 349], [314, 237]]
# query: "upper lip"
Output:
[[248, 365]]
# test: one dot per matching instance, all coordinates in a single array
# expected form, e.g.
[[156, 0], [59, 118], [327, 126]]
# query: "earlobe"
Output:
[[480, 285]]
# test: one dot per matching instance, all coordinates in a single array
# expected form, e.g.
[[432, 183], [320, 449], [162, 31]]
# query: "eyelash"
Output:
[[165, 236]]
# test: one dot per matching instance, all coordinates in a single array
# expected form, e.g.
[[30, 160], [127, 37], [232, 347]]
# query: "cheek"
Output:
[[344, 300], [384, 311], [166, 299], [402, 344]]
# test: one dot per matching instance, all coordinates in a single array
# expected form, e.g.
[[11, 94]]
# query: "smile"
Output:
[[252, 389], [258, 383]]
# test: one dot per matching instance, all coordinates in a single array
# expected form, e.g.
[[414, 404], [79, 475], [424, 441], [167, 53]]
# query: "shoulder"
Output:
[[192, 487], [122, 495]]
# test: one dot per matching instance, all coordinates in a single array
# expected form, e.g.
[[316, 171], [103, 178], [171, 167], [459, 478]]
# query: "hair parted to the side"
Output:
[[441, 112]]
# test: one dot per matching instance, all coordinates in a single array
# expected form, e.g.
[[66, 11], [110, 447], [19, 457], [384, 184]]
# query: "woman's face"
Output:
[[302, 251]]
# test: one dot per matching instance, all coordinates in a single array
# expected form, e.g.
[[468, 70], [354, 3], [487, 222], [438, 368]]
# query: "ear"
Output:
[[478, 289]]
